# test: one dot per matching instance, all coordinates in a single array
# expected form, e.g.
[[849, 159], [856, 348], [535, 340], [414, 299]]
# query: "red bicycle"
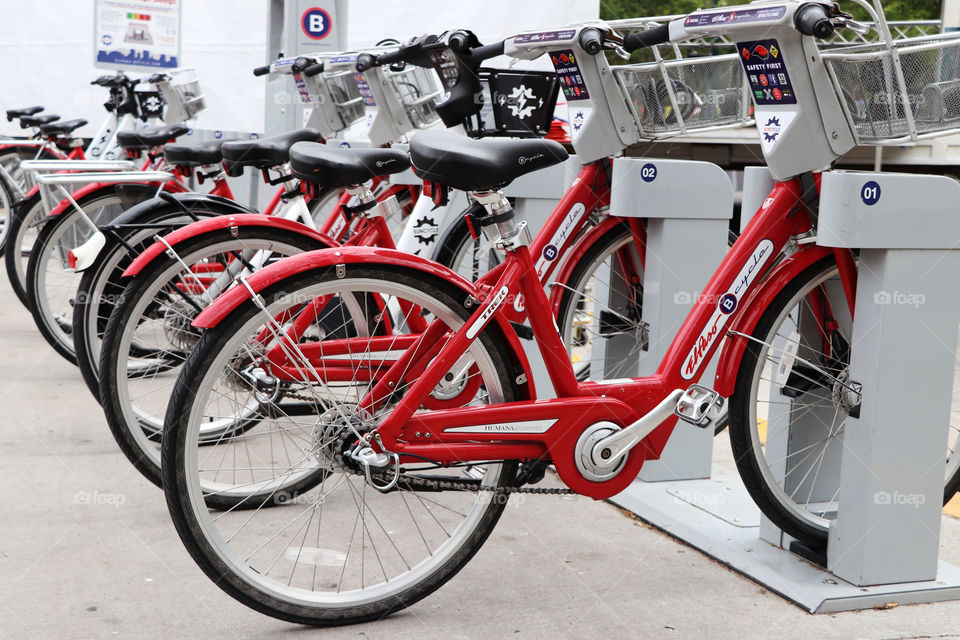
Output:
[[369, 459]]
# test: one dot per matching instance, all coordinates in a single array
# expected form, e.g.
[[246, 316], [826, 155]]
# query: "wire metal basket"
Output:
[[686, 95], [339, 87], [899, 91], [183, 95], [418, 90]]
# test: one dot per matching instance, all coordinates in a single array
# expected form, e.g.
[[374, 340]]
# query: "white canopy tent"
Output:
[[46, 48]]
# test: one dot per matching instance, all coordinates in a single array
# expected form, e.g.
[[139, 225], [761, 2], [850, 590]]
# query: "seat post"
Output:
[[368, 205], [361, 192], [512, 233]]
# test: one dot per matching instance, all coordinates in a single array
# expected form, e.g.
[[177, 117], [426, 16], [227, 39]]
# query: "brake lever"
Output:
[[620, 51], [853, 25]]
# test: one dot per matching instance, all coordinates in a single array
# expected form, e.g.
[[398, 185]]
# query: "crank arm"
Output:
[[607, 452]]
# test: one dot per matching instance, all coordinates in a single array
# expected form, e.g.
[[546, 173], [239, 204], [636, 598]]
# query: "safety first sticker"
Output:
[[767, 72], [568, 72]]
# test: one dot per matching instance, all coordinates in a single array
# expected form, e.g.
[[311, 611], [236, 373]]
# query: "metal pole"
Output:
[[950, 15]]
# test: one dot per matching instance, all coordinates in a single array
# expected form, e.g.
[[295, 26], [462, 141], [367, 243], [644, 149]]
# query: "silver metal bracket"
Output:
[[700, 406], [518, 237]]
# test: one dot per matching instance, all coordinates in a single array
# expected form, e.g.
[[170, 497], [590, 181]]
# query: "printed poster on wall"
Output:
[[137, 34]]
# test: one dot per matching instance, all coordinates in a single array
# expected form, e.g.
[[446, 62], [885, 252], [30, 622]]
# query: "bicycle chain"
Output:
[[469, 486], [459, 485]]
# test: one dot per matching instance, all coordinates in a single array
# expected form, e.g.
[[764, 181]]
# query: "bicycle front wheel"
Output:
[[601, 305], [341, 551], [789, 408], [149, 335]]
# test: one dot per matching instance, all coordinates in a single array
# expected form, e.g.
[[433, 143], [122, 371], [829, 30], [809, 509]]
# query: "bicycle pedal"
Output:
[[699, 406]]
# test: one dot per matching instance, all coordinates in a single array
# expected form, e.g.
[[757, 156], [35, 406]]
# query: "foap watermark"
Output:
[[698, 499], [898, 498], [99, 499], [695, 297], [900, 298]]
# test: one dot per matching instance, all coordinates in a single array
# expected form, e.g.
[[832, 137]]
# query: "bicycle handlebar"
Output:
[[365, 62], [810, 19], [488, 51], [648, 38], [591, 40], [813, 20], [262, 71], [313, 69]]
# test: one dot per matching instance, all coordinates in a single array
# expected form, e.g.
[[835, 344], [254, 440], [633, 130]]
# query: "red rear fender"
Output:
[[215, 224], [235, 296]]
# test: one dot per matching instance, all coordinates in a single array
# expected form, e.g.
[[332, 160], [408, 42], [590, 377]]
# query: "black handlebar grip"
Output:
[[365, 61], [487, 51], [390, 57], [300, 64], [262, 71], [812, 20], [313, 69], [648, 38], [591, 40]]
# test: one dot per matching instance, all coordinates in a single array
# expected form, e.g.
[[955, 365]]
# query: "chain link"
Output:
[[476, 488]]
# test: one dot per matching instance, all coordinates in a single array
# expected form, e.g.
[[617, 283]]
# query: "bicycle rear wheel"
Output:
[[26, 221], [340, 552], [51, 285]]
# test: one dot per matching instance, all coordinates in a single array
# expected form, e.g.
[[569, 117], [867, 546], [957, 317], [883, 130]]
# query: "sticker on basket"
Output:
[[364, 87], [767, 72], [578, 120], [771, 125], [301, 88], [569, 74], [741, 16]]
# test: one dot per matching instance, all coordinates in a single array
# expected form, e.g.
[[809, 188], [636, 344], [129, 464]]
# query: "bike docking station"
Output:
[[885, 468]]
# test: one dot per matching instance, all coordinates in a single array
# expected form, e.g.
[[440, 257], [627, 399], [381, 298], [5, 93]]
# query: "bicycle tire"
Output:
[[255, 587], [51, 315], [127, 424], [750, 432]]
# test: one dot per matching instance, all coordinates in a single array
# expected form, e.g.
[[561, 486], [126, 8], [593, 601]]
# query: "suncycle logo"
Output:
[[727, 304]]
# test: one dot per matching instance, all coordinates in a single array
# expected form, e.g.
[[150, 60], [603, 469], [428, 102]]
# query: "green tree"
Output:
[[894, 9]]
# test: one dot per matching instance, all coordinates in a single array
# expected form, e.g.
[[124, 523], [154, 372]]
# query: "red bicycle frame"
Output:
[[548, 429]]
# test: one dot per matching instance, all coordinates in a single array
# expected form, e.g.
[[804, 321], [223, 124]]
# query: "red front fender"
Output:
[[729, 363], [222, 222], [582, 246], [235, 296]]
